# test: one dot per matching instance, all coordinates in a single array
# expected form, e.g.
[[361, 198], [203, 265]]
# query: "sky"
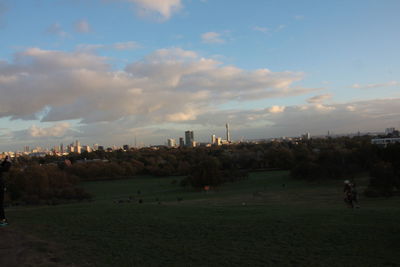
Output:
[[112, 71]]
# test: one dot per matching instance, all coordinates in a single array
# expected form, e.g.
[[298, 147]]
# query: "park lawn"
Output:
[[266, 220]]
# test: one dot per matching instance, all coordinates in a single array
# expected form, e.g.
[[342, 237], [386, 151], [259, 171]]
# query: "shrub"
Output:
[[36, 184]]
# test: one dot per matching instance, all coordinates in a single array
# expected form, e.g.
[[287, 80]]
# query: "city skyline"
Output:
[[109, 72]]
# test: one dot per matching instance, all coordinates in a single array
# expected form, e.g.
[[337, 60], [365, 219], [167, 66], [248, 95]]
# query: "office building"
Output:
[[213, 139], [228, 136], [171, 142], [77, 147], [86, 148], [189, 138], [218, 141], [306, 136]]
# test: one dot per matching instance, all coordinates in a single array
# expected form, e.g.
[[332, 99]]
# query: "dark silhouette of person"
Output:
[[4, 167], [348, 196]]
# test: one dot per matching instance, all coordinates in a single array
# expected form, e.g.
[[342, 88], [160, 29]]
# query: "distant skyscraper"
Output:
[[306, 136], [181, 142], [95, 147], [171, 142], [228, 136], [87, 148], [390, 130], [77, 147], [213, 139], [218, 141], [189, 138], [193, 144]]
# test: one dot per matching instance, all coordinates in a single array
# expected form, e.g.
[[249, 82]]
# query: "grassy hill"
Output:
[[267, 220]]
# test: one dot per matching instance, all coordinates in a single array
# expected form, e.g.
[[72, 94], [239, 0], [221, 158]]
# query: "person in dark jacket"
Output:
[[348, 196], [4, 167]]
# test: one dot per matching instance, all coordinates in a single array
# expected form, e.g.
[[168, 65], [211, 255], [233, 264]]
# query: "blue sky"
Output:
[[104, 71]]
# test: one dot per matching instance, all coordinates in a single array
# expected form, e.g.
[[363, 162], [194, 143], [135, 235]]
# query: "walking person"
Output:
[[348, 194], [4, 167]]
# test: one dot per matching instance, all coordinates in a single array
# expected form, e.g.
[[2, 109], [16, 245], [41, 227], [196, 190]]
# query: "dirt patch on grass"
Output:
[[19, 249]]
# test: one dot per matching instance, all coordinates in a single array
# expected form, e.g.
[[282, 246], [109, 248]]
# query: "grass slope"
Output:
[[267, 220]]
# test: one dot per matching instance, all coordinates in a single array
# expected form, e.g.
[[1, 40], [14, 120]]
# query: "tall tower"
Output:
[[171, 142], [189, 138], [77, 147], [228, 137], [181, 142], [213, 139]]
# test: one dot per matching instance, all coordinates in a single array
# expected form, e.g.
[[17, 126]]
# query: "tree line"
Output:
[[333, 158]]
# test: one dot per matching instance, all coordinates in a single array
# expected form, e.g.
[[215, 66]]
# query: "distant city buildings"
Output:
[[228, 136], [306, 136], [78, 147], [181, 142], [213, 139], [189, 139], [389, 136], [86, 148], [385, 141], [392, 136], [390, 130], [218, 141], [171, 142]]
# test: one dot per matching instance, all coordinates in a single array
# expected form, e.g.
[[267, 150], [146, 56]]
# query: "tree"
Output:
[[383, 180], [206, 173]]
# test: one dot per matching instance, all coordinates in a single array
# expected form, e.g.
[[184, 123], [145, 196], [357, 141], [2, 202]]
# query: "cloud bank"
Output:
[[164, 9], [168, 85], [162, 94], [319, 98], [375, 85], [57, 130], [82, 26], [212, 38]]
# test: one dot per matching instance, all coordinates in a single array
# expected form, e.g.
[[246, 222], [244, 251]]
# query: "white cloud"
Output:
[[299, 17], [212, 38], [162, 8], [82, 26], [371, 115], [56, 29], [351, 108], [276, 109], [280, 27], [319, 98], [375, 85], [129, 45], [322, 107], [56, 130], [260, 29], [58, 86]]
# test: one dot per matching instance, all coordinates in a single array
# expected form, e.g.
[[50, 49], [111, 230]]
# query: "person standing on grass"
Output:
[[4, 167], [348, 195]]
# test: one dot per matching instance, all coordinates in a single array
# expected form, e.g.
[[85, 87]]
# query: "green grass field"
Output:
[[267, 220]]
